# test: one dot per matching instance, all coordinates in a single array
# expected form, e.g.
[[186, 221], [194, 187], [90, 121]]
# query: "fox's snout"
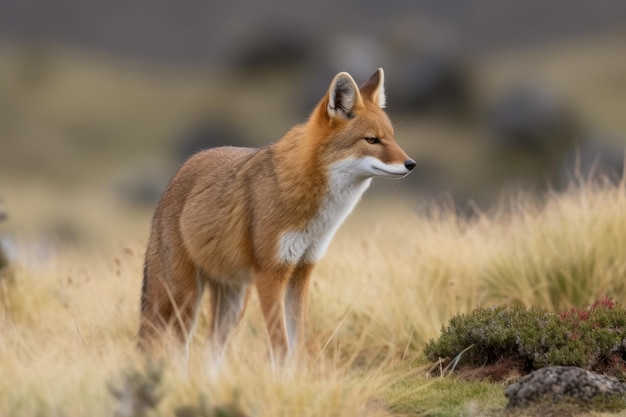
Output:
[[377, 168]]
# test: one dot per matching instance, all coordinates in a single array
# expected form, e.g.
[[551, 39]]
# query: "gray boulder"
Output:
[[569, 385], [592, 160], [533, 119]]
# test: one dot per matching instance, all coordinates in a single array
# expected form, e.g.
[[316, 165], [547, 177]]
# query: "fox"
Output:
[[233, 218]]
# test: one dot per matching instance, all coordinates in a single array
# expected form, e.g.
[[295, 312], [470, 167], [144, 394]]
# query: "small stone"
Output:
[[567, 384]]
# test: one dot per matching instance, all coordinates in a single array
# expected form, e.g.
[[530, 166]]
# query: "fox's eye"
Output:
[[372, 140]]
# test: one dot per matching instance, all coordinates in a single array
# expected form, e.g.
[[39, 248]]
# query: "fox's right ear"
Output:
[[343, 96]]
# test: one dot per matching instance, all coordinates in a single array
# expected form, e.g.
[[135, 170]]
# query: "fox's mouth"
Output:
[[390, 173]]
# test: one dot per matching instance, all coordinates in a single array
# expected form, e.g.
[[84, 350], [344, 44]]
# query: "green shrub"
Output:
[[139, 392], [593, 338]]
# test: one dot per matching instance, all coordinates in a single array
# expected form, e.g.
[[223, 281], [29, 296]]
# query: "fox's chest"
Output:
[[309, 245]]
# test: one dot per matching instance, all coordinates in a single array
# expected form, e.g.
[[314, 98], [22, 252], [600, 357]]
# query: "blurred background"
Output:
[[101, 101]]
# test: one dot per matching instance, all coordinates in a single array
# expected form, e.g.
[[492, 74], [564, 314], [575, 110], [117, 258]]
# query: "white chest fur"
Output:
[[346, 186]]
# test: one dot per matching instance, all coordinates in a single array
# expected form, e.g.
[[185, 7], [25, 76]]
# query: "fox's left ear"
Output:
[[374, 88]]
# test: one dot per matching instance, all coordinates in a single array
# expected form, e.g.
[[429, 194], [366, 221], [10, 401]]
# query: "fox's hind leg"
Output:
[[171, 299], [228, 302]]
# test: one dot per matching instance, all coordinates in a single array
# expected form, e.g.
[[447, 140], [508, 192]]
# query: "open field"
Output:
[[69, 306], [388, 283]]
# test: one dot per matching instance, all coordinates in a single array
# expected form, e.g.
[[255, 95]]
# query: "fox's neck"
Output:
[[298, 163], [306, 181], [323, 196]]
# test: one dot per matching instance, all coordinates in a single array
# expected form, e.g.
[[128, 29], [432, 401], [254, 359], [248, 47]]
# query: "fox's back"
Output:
[[201, 209], [202, 174]]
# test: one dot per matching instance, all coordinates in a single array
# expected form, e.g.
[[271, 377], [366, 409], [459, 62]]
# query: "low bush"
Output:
[[593, 338]]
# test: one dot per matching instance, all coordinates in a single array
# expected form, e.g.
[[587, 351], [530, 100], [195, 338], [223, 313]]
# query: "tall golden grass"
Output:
[[389, 281]]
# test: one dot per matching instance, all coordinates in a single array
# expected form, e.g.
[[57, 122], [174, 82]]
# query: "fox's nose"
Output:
[[409, 164]]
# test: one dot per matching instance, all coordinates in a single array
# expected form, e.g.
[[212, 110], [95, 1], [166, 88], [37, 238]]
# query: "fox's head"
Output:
[[356, 134]]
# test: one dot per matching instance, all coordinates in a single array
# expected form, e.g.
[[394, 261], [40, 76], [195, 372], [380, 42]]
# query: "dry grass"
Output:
[[387, 284]]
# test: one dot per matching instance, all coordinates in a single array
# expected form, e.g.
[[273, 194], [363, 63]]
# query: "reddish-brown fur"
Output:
[[220, 220]]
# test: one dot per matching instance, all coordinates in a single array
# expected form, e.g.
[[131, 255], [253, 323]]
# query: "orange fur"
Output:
[[235, 217]]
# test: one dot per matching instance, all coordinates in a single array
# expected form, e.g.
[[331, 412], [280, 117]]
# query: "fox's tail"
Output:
[[144, 287], [144, 302]]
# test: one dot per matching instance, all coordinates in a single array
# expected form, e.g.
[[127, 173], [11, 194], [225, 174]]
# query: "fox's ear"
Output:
[[343, 96], [374, 88]]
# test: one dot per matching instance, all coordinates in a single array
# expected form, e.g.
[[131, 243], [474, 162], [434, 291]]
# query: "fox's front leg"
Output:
[[295, 303], [270, 286]]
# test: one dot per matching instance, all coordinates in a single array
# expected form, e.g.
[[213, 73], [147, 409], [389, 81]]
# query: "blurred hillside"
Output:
[[189, 31]]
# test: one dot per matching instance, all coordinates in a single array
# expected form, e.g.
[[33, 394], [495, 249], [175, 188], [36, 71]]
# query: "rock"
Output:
[[532, 118], [4, 259], [436, 81], [271, 48], [567, 384], [140, 190], [531, 129], [593, 159], [204, 134]]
